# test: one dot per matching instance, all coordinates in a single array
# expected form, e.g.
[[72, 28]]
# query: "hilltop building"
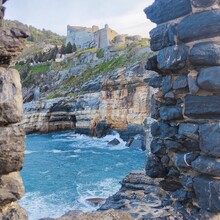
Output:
[[85, 37]]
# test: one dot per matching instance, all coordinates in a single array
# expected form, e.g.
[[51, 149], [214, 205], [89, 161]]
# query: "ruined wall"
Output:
[[186, 145], [12, 138], [90, 37]]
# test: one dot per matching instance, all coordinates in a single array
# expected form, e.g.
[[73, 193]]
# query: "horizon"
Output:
[[123, 18]]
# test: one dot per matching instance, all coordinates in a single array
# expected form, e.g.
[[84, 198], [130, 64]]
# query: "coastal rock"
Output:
[[12, 146], [13, 211], [138, 143], [197, 26], [160, 11], [114, 142], [10, 96], [11, 188], [11, 44], [208, 79], [101, 129]]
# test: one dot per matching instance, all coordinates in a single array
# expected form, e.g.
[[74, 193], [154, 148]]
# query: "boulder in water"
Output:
[[96, 201], [114, 142]]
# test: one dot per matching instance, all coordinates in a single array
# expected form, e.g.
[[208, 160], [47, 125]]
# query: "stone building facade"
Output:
[[90, 37], [186, 145]]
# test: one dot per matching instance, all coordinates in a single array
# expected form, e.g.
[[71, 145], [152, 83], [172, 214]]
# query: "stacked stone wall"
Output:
[[186, 145], [12, 138]]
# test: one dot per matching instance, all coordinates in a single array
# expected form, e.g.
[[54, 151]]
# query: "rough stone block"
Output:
[[154, 108], [11, 188], [208, 193], [203, 3], [152, 64], [209, 79], [155, 82], [210, 139], [191, 145], [172, 58], [184, 160], [180, 82], [202, 107], [171, 113], [161, 11], [189, 130], [205, 54], [154, 168], [162, 36], [193, 87], [173, 145], [207, 165], [157, 147], [166, 84], [12, 146], [163, 130], [10, 96], [197, 26]]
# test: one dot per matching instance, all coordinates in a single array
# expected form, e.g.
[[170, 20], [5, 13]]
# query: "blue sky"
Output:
[[124, 16]]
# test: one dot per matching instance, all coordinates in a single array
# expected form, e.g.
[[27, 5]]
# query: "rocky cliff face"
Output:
[[122, 101], [12, 138]]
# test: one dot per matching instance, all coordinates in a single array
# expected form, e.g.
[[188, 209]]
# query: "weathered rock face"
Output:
[[122, 102], [186, 137], [12, 138]]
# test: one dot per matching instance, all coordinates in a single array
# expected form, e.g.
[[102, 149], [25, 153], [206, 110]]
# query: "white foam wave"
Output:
[[39, 206], [101, 189], [29, 152], [73, 156], [101, 143]]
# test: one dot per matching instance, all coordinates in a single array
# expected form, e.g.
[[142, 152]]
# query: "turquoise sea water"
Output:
[[62, 170]]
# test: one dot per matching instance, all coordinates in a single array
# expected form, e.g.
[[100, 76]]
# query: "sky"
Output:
[[123, 16]]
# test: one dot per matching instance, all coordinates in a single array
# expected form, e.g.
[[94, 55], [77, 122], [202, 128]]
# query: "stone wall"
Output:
[[186, 145], [12, 138]]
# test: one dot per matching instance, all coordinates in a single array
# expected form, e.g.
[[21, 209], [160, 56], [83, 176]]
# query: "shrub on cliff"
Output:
[[100, 53]]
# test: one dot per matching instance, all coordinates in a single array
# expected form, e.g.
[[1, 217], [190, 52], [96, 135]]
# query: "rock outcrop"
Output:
[[185, 147], [122, 101], [12, 138]]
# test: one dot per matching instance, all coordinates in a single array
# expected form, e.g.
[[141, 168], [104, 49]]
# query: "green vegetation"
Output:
[[36, 35], [100, 53], [40, 68], [91, 73]]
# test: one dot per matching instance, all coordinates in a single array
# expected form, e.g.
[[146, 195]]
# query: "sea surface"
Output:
[[62, 170]]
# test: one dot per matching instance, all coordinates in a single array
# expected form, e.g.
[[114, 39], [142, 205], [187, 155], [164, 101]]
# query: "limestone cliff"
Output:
[[122, 101]]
